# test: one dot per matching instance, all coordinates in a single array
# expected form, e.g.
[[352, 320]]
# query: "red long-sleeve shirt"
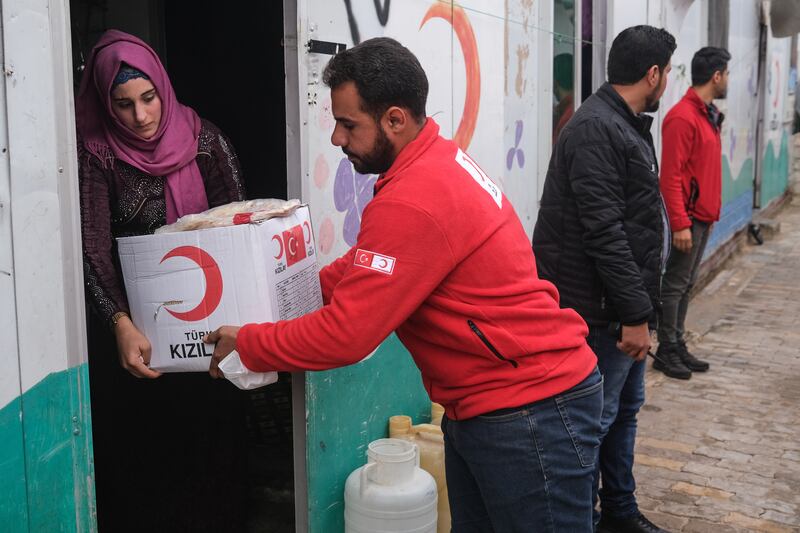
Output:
[[443, 260], [691, 163]]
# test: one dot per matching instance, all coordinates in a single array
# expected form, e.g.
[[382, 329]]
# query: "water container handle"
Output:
[[364, 479]]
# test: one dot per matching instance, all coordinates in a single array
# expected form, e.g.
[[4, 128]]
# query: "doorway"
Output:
[[226, 61]]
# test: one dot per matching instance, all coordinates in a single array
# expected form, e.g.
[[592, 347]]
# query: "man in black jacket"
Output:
[[602, 238]]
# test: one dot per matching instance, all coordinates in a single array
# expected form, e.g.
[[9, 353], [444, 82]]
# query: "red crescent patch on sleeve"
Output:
[[374, 261]]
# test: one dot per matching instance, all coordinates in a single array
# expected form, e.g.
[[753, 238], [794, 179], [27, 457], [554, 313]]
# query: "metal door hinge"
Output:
[[325, 47]]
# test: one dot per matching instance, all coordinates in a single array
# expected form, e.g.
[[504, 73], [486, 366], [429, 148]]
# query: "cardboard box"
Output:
[[181, 286]]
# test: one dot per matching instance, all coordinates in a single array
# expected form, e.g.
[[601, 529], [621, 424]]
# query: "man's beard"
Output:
[[652, 100], [378, 160]]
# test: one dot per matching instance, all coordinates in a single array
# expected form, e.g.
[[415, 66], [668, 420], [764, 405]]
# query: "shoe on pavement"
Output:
[[690, 361], [668, 360], [637, 523]]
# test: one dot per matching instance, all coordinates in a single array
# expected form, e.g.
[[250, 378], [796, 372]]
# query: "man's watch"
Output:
[[116, 317]]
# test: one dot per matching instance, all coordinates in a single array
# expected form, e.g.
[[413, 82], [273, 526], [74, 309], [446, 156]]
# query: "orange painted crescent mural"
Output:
[[457, 18]]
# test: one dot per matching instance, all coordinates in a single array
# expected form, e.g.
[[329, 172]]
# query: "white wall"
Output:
[[40, 213]]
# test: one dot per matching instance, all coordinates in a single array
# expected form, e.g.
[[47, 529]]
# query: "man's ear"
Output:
[[654, 75], [397, 118]]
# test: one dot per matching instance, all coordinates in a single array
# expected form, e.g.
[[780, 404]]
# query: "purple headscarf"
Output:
[[170, 152]]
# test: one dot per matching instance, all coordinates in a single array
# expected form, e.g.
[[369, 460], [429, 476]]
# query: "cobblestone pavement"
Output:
[[721, 452]]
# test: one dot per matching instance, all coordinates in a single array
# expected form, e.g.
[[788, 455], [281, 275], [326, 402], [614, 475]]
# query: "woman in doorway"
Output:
[[169, 452]]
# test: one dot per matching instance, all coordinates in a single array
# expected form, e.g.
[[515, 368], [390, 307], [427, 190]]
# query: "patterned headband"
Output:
[[127, 73]]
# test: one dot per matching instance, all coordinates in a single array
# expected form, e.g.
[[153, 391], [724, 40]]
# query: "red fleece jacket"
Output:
[[691, 163], [443, 260]]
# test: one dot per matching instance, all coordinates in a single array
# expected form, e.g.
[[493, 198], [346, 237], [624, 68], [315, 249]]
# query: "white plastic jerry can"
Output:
[[390, 493]]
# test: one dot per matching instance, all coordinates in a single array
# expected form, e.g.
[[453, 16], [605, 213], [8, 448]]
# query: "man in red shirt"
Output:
[[691, 183], [442, 259]]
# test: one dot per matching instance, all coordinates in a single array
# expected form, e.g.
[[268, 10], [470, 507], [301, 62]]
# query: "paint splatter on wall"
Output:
[[490, 108]]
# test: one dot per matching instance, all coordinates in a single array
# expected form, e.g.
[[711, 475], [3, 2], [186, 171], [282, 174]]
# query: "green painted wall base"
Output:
[[45, 457], [14, 502], [347, 409], [775, 172], [734, 188]]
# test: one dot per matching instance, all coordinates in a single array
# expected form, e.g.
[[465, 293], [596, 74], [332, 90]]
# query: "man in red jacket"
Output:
[[691, 183], [442, 259]]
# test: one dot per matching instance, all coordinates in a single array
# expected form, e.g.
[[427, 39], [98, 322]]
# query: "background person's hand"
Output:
[[224, 341], [134, 349], [682, 240], [635, 341]]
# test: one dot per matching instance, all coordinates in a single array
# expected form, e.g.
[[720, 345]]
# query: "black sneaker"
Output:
[[691, 362], [668, 360], [637, 523]]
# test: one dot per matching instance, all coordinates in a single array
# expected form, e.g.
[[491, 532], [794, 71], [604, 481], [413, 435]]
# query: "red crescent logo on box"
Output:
[[280, 246], [213, 293], [373, 261]]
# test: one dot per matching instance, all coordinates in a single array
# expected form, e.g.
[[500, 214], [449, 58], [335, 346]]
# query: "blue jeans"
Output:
[[526, 469], [623, 395]]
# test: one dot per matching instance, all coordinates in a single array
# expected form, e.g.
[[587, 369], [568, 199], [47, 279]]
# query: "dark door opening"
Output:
[[226, 61]]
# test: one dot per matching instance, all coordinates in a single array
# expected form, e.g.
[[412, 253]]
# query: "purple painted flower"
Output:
[[352, 192], [751, 81], [751, 141], [516, 150]]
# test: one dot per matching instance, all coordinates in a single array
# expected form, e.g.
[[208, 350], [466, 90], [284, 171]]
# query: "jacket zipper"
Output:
[[489, 345], [694, 194]]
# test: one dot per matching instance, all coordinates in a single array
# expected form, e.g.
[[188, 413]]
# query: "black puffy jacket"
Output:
[[602, 235]]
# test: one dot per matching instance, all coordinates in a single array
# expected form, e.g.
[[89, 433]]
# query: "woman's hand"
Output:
[[134, 349]]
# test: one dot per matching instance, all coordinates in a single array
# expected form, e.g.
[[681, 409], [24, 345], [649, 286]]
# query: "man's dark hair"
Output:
[[635, 50], [706, 62], [385, 73]]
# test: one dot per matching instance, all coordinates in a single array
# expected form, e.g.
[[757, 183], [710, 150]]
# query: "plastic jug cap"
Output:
[[399, 425], [392, 450]]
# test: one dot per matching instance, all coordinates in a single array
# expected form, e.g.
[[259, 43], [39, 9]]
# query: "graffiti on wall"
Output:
[[351, 193], [457, 17], [339, 202], [381, 11], [515, 153]]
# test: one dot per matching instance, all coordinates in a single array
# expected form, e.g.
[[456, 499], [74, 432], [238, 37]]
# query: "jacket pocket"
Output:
[[694, 194], [644, 168], [476, 330], [603, 300]]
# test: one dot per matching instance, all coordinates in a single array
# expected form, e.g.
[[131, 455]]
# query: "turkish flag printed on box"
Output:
[[294, 244], [182, 285]]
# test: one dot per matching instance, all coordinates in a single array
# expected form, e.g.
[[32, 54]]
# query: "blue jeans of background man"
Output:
[[526, 469], [623, 395]]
